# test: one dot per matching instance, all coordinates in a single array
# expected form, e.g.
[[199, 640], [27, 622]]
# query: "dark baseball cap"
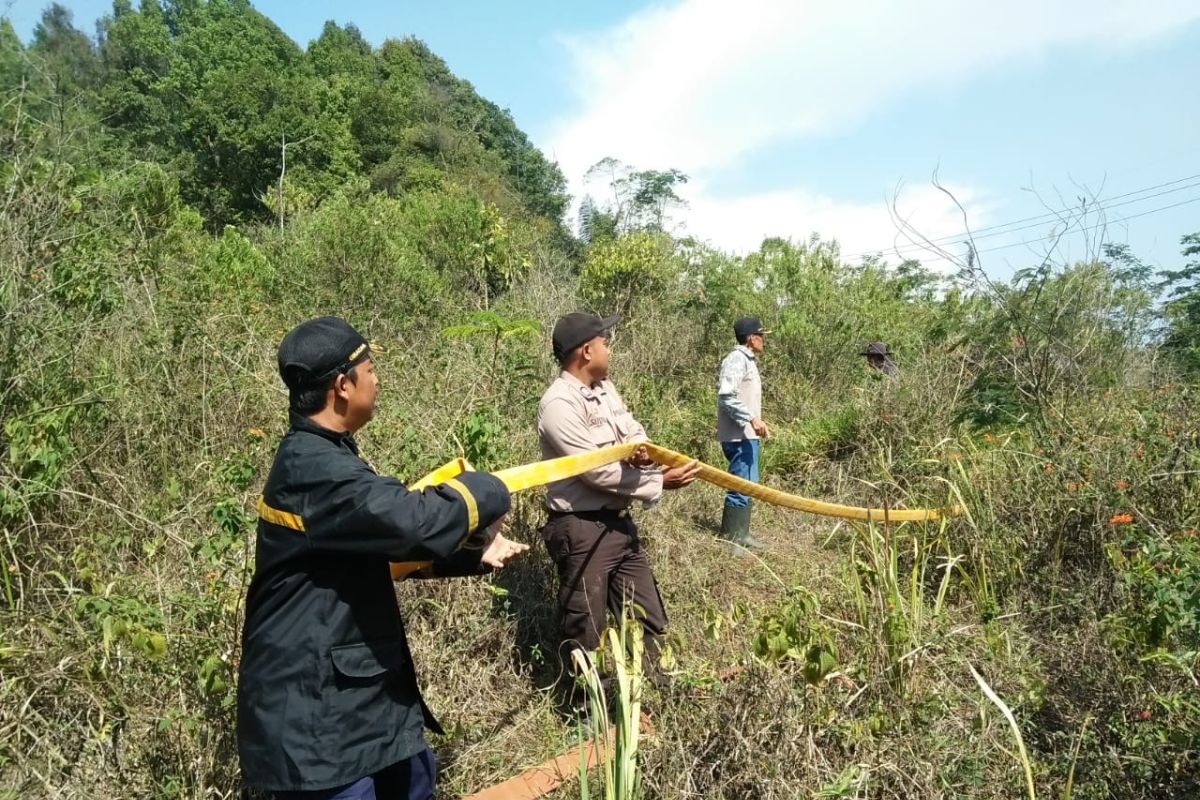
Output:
[[745, 326], [876, 349], [578, 328], [316, 350]]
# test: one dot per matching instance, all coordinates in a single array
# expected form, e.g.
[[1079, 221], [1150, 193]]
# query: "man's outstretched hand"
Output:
[[678, 477], [501, 550]]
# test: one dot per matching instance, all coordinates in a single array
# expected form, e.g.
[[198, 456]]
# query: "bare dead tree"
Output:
[[1032, 364]]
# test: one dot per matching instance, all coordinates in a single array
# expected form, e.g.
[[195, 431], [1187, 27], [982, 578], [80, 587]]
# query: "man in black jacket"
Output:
[[328, 701]]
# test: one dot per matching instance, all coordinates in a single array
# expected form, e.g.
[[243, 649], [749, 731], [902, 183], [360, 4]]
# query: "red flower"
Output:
[[1120, 519], [1121, 485]]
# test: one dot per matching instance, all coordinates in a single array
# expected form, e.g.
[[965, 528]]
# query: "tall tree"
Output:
[[1182, 309], [136, 49], [68, 57], [639, 199], [216, 89], [14, 65]]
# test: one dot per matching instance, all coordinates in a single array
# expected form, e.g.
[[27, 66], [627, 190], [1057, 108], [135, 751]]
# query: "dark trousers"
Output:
[[410, 779], [602, 566]]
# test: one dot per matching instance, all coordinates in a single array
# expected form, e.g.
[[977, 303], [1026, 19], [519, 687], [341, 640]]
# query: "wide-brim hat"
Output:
[[876, 349]]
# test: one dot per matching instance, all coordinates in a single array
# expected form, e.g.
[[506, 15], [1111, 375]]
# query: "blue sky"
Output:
[[794, 117]]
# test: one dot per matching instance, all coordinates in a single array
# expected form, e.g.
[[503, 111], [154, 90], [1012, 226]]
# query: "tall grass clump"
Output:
[[615, 735]]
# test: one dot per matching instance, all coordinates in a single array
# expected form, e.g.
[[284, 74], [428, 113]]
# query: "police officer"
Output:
[[328, 701], [590, 534]]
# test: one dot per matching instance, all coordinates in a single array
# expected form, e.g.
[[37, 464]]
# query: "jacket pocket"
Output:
[[367, 660]]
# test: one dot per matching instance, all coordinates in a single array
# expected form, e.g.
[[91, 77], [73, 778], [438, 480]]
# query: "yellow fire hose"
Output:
[[540, 473]]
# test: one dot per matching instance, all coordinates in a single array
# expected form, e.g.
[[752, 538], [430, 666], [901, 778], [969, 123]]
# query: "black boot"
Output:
[[735, 527]]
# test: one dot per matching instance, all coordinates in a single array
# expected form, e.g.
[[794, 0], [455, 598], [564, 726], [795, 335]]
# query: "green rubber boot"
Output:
[[735, 527]]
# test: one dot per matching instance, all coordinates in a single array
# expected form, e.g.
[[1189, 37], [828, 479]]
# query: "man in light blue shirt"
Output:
[[740, 424]]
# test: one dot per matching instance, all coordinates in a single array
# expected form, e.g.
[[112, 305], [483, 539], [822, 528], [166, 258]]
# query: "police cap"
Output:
[[576, 329]]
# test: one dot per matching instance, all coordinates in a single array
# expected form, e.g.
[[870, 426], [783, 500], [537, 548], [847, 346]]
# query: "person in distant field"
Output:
[[590, 533], [328, 705], [878, 358], [740, 426]]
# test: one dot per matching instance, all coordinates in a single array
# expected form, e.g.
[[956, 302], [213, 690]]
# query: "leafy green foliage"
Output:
[[795, 632], [1183, 308], [483, 441], [1052, 334], [831, 435], [619, 273], [39, 449], [1162, 581], [215, 90]]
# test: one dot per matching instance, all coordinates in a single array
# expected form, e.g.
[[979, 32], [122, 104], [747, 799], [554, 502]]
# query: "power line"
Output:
[[1094, 227], [1001, 229], [1098, 207], [914, 246], [1106, 203]]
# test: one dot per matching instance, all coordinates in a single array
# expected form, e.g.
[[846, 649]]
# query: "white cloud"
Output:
[[740, 223], [699, 84]]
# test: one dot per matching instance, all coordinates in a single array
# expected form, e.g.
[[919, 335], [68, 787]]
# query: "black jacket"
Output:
[[327, 691]]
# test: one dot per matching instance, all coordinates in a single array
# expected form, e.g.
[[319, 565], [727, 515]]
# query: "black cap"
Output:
[[875, 349], [316, 350], [745, 326], [578, 328]]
